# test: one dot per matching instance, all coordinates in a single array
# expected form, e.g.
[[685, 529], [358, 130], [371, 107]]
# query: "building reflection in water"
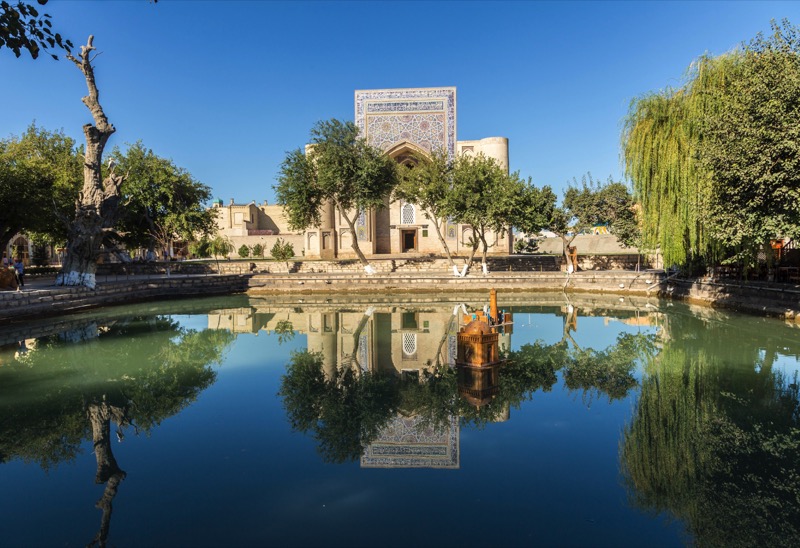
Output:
[[407, 342], [410, 442]]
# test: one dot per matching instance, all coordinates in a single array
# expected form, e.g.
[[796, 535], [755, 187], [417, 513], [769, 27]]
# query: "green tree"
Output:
[[751, 145], [536, 208], [427, 184], [23, 28], [660, 144], [201, 247], [220, 246], [258, 250], [40, 174], [340, 168], [282, 251], [713, 163], [244, 251], [591, 203], [585, 205], [483, 196], [164, 202]]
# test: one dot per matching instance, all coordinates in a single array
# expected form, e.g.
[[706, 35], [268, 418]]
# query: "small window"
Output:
[[410, 344], [408, 215], [409, 320]]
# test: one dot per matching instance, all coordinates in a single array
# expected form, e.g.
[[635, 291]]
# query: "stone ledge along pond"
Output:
[[318, 421]]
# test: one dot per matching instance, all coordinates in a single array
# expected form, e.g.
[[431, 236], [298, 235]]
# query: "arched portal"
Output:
[[407, 153], [407, 236]]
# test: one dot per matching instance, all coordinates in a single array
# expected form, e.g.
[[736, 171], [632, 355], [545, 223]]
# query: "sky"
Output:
[[226, 88]]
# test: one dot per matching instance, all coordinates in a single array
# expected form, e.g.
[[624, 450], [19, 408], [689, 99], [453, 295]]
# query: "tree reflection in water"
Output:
[[715, 437], [134, 372], [346, 412]]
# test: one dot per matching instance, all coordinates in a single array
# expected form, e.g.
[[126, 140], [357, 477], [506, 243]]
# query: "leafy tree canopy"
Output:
[[340, 168], [591, 203], [40, 174], [484, 196], [22, 28], [714, 163], [163, 201], [427, 184]]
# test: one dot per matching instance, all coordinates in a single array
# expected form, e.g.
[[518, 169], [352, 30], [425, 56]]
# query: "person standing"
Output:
[[20, 268]]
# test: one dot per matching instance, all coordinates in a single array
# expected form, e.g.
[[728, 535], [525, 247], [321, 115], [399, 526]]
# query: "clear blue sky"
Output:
[[226, 88]]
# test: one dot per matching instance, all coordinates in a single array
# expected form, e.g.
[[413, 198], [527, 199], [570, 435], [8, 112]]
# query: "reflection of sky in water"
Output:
[[593, 331], [228, 469]]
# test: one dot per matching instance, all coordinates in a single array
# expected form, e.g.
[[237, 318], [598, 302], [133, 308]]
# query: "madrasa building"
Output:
[[405, 123]]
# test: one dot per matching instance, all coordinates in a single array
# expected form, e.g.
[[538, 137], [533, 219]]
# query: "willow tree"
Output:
[[714, 163], [660, 141], [340, 168]]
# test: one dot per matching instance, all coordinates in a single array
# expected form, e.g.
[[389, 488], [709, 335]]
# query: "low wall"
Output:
[[617, 282], [398, 264], [762, 298], [16, 305]]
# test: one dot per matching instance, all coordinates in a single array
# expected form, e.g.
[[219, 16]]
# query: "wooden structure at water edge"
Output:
[[478, 352]]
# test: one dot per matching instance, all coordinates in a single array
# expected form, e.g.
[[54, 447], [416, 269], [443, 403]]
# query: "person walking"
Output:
[[20, 268]]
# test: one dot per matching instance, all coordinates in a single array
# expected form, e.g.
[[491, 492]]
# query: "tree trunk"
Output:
[[354, 238], [97, 205], [567, 243], [485, 251], [108, 471], [473, 251], [353, 362], [441, 239]]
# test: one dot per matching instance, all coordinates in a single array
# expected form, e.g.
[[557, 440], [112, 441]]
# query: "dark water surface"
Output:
[[331, 422]]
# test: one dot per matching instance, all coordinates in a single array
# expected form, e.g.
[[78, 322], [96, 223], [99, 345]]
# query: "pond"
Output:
[[314, 421]]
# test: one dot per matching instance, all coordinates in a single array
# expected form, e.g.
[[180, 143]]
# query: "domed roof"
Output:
[[476, 327]]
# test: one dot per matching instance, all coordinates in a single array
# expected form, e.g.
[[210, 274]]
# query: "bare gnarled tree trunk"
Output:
[[108, 471], [97, 205]]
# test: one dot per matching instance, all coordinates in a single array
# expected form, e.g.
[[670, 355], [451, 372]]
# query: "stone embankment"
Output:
[[41, 300], [613, 281], [764, 298], [401, 276]]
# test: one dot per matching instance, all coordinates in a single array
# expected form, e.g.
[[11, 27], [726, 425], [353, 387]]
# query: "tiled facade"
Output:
[[402, 122], [423, 117]]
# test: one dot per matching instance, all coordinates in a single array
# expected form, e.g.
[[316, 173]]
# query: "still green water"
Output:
[[330, 422]]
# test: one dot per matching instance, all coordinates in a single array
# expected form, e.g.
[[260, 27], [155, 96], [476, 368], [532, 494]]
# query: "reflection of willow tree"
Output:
[[715, 438], [134, 372], [346, 413]]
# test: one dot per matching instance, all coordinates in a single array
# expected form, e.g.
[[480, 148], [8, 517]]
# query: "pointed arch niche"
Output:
[[407, 153]]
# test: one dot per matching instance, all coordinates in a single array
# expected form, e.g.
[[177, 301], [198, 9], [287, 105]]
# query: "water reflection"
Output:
[[392, 387], [715, 437], [72, 385], [707, 427]]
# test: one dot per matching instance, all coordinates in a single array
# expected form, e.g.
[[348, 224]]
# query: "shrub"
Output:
[[282, 251]]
